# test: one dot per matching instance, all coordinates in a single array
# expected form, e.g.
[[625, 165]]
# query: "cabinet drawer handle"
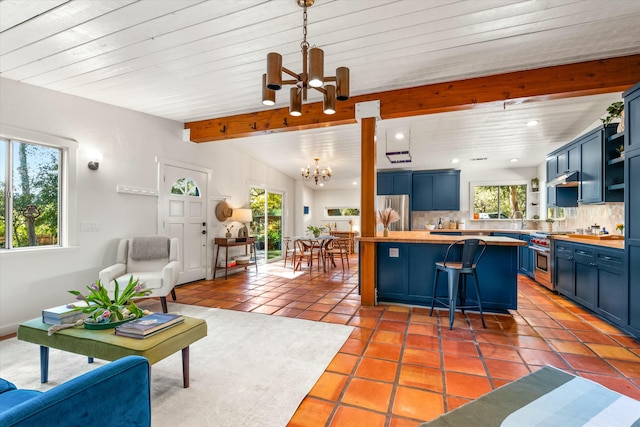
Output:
[[570, 257], [608, 258], [582, 252]]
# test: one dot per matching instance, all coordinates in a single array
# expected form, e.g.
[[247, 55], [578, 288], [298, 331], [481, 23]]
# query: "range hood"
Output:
[[567, 179]]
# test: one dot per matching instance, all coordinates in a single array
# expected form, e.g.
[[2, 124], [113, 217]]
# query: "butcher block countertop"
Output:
[[607, 243], [427, 237]]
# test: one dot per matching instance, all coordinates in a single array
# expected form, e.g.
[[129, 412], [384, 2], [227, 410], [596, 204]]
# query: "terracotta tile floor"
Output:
[[401, 367]]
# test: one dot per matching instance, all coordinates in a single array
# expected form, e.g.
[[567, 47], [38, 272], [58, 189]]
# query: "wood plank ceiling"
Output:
[[190, 60]]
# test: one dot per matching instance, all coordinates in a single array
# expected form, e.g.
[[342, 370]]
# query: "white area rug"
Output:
[[251, 369]]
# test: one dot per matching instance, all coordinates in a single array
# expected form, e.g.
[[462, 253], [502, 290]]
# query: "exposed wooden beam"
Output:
[[561, 81]]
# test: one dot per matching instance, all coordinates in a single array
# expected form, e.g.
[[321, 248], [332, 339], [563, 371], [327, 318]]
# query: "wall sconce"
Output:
[[94, 160]]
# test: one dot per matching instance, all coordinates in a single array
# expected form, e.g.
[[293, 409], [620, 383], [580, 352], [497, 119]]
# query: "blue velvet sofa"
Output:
[[117, 393]]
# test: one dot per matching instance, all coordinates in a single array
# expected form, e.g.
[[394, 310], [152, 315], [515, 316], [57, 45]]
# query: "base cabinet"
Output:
[[593, 277]]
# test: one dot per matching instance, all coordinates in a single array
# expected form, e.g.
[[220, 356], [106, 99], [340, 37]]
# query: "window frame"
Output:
[[67, 205], [501, 183], [326, 209]]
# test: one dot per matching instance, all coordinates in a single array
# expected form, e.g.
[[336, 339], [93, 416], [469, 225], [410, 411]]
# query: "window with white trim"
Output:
[[30, 194]]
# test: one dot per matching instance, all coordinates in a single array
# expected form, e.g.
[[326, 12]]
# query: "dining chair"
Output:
[[289, 250], [337, 248], [306, 250]]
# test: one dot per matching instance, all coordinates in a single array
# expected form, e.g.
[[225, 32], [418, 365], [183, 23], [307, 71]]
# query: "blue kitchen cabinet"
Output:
[[409, 277], [436, 190], [564, 272], [591, 165], [586, 275], [525, 256], [632, 205], [563, 160], [393, 183], [392, 275], [612, 286]]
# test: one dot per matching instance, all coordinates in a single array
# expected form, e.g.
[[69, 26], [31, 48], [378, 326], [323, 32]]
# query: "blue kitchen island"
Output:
[[405, 269]]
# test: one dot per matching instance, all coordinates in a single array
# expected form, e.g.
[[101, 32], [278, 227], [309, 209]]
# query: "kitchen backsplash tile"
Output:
[[606, 215]]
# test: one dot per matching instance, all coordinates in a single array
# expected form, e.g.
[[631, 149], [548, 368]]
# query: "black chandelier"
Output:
[[312, 76]]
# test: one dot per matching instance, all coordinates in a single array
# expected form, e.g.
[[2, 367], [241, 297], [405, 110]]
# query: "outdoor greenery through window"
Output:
[[499, 201], [338, 212], [29, 194]]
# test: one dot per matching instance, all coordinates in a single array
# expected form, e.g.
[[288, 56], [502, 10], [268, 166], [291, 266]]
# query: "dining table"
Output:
[[314, 242]]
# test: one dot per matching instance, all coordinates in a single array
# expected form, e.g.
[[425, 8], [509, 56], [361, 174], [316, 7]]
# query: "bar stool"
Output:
[[457, 277]]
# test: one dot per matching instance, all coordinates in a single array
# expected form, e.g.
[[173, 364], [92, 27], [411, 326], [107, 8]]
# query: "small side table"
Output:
[[249, 244]]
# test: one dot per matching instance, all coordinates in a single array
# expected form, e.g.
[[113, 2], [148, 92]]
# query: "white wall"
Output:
[[130, 143], [333, 199]]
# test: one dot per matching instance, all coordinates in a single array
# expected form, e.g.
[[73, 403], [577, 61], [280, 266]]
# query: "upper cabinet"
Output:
[[595, 156], [389, 183], [562, 161], [436, 190], [600, 179]]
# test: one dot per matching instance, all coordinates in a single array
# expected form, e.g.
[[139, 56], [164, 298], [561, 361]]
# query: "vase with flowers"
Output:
[[386, 218], [315, 230], [106, 312], [620, 228]]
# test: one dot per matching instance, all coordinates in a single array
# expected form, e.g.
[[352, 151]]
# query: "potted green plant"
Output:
[[315, 230], [550, 222], [535, 185], [107, 312], [614, 112]]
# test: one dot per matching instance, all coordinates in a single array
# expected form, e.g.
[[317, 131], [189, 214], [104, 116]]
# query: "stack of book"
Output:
[[63, 314], [149, 325]]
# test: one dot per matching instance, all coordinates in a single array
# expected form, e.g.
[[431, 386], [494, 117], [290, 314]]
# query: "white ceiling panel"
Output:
[[189, 60]]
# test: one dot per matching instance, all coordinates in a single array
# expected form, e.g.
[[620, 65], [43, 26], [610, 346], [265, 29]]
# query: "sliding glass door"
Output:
[[266, 207]]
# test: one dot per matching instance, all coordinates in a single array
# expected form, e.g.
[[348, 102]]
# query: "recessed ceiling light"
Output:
[[355, 182], [321, 185], [455, 160], [399, 135], [533, 123], [513, 160]]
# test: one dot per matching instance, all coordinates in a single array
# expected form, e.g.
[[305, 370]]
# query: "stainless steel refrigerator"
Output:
[[400, 204]]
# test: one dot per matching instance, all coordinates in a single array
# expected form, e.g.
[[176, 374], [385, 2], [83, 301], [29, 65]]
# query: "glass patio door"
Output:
[[266, 208]]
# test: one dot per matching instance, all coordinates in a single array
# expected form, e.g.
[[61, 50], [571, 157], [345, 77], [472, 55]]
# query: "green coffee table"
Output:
[[105, 345]]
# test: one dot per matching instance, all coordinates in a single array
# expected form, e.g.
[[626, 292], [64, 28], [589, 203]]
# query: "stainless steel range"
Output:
[[543, 261]]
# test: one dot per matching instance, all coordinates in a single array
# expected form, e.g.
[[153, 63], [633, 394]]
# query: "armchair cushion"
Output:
[[159, 274]]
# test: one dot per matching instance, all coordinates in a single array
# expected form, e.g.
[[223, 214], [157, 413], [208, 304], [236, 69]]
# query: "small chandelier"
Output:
[[312, 76], [319, 174]]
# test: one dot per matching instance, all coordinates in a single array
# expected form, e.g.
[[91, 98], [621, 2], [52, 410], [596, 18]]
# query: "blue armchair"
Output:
[[117, 393]]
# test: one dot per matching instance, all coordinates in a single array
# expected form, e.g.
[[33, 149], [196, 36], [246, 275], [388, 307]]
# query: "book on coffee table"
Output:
[[63, 314], [148, 325]]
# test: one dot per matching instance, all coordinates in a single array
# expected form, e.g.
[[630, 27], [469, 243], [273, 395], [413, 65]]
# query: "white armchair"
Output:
[[152, 260]]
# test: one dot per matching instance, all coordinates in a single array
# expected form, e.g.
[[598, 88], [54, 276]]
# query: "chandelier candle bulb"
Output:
[[316, 67], [295, 106], [268, 95]]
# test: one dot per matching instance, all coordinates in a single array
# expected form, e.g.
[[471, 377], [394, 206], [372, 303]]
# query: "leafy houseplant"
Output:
[[315, 230], [550, 222], [535, 184], [614, 112], [102, 309]]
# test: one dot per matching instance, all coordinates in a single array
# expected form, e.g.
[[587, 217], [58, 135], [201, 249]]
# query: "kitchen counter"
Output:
[[405, 267], [437, 238], [483, 231], [615, 244]]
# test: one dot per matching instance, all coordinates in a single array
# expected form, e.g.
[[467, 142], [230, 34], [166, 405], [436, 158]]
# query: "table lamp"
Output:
[[244, 216]]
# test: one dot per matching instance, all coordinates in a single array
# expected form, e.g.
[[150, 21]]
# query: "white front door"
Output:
[[184, 214]]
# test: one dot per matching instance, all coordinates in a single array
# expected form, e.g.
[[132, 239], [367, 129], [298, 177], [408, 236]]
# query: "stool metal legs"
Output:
[[456, 289]]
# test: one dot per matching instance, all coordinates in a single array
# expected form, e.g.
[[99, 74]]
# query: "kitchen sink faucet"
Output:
[[515, 216]]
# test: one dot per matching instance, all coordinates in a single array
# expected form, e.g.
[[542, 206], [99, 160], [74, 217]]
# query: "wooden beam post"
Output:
[[367, 211]]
